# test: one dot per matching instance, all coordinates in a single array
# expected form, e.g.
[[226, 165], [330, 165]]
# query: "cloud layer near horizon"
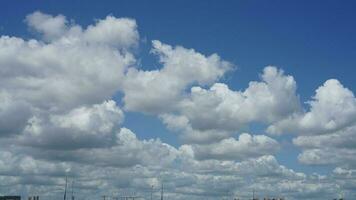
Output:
[[58, 117]]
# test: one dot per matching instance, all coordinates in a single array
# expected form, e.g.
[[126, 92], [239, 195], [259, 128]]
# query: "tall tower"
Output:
[[65, 190], [151, 191], [162, 191], [72, 189]]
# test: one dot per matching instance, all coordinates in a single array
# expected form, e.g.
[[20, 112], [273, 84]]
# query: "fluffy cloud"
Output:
[[87, 126], [221, 108], [136, 164], [75, 67], [337, 148], [51, 27], [247, 146], [160, 90], [341, 139], [23, 165], [327, 131], [180, 124], [184, 177], [78, 73], [115, 32], [333, 107], [260, 166], [126, 151], [13, 114], [345, 177], [57, 119], [324, 156], [207, 115]]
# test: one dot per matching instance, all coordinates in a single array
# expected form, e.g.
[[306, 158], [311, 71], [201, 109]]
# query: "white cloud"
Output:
[[56, 117], [221, 108], [129, 148], [87, 126], [326, 132], [68, 71], [22, 165], [115, 32], [208, 115], [112, 31], [51, 27], [260, 166], [336, 148], [186, 177], [13, 114], [74, 67], [160, 90], [119, 149], [246, 146], [327, 156], [333, 107], [100, 118], [180, 124], [344, 138]]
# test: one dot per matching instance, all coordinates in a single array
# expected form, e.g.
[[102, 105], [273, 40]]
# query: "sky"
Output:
[[210, 99]]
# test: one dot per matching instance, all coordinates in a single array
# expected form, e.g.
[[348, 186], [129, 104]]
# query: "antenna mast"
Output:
[[151, 191], [65, 190], [73, 189], [162, 191]]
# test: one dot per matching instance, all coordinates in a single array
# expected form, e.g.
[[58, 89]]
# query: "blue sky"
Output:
[[313, 41], [303, 37]]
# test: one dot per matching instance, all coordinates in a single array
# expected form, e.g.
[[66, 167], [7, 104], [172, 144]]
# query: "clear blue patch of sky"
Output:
[[147, 126]]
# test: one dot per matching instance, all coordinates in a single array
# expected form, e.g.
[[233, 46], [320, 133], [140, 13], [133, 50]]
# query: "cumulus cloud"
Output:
[[181, 125], [327, 156], [72, 67], [137, 163], [184, 177], [344, 138], [57, 119], [259, 166], [24, 165], [86, 126], [160, 90], [337, 148], [67, 71], [126, 151], [326, 131], [207, 115], [246, 146], [333, 107], [13, 114], [100, 118], [219, 107], [51, 27], [120, 33]]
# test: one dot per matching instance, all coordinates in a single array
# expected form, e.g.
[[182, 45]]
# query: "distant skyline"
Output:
[[211, 99]]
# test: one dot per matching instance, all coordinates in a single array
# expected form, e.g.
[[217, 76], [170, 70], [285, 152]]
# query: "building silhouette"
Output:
[[10, 197]]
